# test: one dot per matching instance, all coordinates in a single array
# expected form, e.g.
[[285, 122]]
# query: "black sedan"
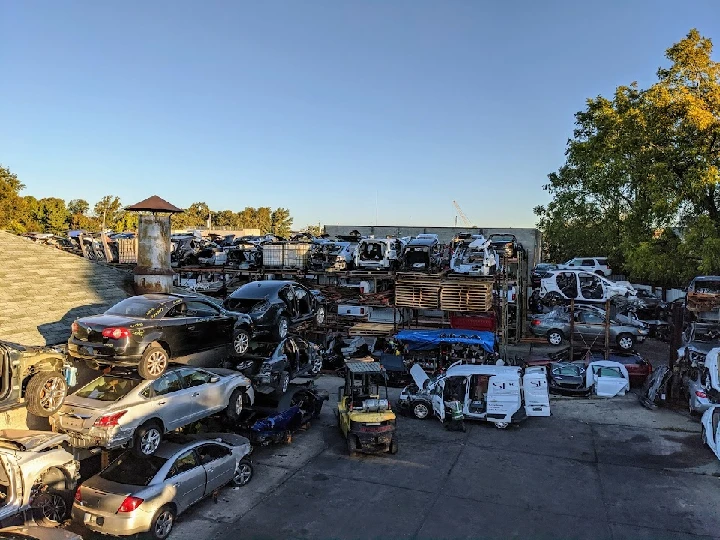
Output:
[[271, 366], [150, 330], [276, 305], [506, 245], [567, 379]]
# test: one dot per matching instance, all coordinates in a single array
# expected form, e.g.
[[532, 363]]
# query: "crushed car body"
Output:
[[474, 256], [379, 253], [422, 253], [579, 285]]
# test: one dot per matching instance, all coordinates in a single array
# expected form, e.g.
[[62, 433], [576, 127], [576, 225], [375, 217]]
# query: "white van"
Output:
[[498, 394], [558, 285]]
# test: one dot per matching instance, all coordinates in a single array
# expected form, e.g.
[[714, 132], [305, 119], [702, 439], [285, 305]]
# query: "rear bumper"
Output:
[[96, 438], [371, 443], [100, 352], [116, 524]]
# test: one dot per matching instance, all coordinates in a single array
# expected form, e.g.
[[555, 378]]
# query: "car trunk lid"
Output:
[[90, 328], [103, 494]]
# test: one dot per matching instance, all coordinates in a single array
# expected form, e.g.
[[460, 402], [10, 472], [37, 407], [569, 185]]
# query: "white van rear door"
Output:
[[503, 398], [535, 390]]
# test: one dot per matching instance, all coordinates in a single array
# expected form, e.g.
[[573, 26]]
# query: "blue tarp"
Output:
[[287, 420], [422, 340]]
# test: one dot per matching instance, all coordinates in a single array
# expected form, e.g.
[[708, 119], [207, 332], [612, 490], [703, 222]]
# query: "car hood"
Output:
[[32, 440], [419, 376]]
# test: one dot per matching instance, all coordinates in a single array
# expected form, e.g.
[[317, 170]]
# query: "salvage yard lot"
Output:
[[595, 469]]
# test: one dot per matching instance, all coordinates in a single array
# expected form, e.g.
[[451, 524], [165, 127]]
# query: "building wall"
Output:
[[530, 238]]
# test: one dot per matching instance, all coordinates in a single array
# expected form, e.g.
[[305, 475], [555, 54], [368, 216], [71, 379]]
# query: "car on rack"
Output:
[[34, 376], [36, 473], [703, 298], [474, 256], [589, 326], [337, 255], [506, 245], [151, 330], [380, 253], [595, 265], [133, 496], [271, 366], [560, 286], [541, 271], [422, 253], [275, 306], [121, 409]]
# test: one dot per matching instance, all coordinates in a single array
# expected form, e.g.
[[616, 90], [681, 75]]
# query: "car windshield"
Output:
[[107, 388], [707, 287], [642, 293], [136, 307], [262, 348], [502, 238], [132, 471]]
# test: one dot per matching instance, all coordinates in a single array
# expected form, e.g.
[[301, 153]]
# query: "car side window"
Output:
[[166, 384], [211, 452], [196, 308], [588, 262], [186, 462], [194, 377]]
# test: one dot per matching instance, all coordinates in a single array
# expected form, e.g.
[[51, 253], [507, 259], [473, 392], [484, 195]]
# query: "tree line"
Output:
[[22, 214], [640, 180]]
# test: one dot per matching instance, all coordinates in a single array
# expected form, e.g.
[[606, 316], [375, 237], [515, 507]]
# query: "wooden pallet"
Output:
[[371, 329], [466, 296]]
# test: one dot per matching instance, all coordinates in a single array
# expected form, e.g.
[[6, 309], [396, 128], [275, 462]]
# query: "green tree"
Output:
[[639, 165], [53, 215], [78, 207], [281, 222], [109, 210], [225, 218], [315, 230], [264, 219], [10, 200], [196, 215], [248, 218]]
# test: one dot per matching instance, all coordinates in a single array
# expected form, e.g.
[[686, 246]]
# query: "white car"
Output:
[[606, 378], [475, 257], [711, 429], [559, 285], [121, 409], [497, 394], [379, 253], [596, 265]]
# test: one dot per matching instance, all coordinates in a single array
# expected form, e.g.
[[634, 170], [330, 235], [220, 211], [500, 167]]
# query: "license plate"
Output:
[[72, 423]]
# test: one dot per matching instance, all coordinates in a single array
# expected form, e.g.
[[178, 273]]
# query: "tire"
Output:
[[243, 474], [282, 327], [393, 446], [236, 404], [352, 448], [420, 410], [626, 342], [501, 425], [154, 362], [283, 384], [555, 337], [147, 439], [50, 508], [241, 341], [162, 523], [45, 393], [320, 316]]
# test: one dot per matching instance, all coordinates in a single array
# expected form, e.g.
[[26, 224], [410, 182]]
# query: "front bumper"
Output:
[[124, 524]]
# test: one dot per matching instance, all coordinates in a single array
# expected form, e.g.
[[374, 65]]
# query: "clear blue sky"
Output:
[[318, 105]]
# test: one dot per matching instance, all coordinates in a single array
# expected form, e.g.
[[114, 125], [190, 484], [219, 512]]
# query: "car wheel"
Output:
[[704, 436], [49, 508], [281, 328], [283, 383], [626, 341], [501, 425], [241, 342], [235, 405], [320, 316], [243, 473], [162, 523], [352, 448], [45, 393], [393, 446], [420, 410], [147, 439], [154, 362], [555, 337]]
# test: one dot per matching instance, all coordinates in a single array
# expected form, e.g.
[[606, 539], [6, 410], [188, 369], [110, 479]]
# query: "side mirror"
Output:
[[214, 379]]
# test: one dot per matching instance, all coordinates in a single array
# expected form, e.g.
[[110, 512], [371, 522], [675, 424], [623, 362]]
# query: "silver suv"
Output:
[[597, 265]]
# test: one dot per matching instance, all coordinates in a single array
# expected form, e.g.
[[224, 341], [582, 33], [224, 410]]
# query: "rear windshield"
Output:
[[107, 388], [136, 307], [602, 262], [707, 287], [132, 471]]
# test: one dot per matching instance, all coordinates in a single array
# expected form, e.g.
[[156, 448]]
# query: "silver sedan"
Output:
[[589, 326], [120, 408], [135, 496]]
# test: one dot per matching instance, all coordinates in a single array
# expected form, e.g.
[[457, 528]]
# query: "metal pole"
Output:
[[607, 329], [572, 327]]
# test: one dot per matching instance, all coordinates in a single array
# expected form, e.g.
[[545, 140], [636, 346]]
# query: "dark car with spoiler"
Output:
[[150, 330], [422, 253]]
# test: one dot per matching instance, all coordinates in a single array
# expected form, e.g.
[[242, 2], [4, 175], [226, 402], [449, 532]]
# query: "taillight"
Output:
[[78, 496], [109, 420], [536, 322], [513, 297], [129, 504], [700, 394], [116, 332], [75, 327]]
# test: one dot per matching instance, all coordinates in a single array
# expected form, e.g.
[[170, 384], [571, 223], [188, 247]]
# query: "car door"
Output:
[[535, 392], [188, 477], [207, 396], [205, 325], [303, 299], [170, 400], [219, 464], [713, 434], [175, 326], [589, 325], [609, 381], [503, 397], [438, 404]]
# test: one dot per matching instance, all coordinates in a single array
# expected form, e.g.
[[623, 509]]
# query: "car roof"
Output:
[[706, 278], [422, 242], [464, 370]]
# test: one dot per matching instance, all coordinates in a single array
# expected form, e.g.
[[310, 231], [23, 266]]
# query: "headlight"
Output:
[[244, 365]]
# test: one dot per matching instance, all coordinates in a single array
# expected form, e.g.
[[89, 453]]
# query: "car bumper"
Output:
[[110, 523], [96, 438], [99, 352]]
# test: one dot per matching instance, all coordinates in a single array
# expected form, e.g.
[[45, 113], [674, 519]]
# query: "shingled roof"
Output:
[[155, 204]]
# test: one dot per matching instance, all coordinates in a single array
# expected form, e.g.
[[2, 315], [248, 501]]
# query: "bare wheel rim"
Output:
[[320, 316], [241, 343], [420, 410], [285, 382], [52, 393], [150, 441], [156, 363], [625, 342], [501, 425], [242, 474], [238, 405], [163, 524], [51, 505], [283, 328]]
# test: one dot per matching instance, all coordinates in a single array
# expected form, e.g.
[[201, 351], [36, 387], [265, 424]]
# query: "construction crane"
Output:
[[462, 215]]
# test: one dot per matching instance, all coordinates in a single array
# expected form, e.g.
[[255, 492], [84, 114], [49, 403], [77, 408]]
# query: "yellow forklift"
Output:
[[364, 415]]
